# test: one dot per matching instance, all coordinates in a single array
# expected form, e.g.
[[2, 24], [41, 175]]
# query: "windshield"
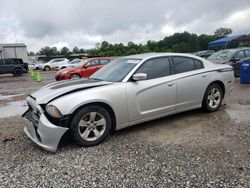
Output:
[[75, 61], [116, 70], [222, 55]]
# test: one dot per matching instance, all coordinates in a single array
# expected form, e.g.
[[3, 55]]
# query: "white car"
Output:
[[52, 64], [125, 92], [34, 66], [73, 63]]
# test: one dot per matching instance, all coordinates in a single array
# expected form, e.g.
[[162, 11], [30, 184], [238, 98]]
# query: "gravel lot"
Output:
[[191, 149]]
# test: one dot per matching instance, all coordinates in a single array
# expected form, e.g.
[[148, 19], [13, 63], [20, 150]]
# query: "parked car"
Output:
[[231, 57], [205, 53], [89, 66], [35, 65], [74, 63], [14, 66], [127, 91], [53, 63]]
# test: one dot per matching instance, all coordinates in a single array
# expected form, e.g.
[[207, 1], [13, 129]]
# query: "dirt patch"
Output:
[[11, 128]]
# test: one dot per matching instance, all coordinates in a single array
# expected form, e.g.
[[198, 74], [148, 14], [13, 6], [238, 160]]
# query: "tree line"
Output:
[[178, 42]]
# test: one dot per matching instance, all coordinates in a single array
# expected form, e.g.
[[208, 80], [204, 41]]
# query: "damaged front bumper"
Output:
[[39, 129]]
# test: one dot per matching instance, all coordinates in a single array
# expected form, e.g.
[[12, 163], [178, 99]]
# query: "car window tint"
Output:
[[156, 68], [239, 55], [16, 62], [183, 64], [8, 61], [93, 63], [198, 64], [247, 53], [104, 61], [1, 62]]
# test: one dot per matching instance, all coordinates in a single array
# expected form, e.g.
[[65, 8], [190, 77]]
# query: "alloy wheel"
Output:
[[214, 98], [92, 126]]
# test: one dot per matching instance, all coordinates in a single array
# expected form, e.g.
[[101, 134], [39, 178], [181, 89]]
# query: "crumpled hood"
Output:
[[49, 92]]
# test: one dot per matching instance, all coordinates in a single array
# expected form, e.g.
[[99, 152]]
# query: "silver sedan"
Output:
[[127, 91]]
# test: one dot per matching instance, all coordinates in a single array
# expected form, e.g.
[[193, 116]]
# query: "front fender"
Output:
[[113, 95]]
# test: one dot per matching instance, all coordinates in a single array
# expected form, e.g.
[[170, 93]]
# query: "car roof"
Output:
[[93, 58], [236, 49], [159, 54]]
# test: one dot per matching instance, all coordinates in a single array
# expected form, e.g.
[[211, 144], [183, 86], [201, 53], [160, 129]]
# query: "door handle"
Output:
[[170, 84], [204, 75]]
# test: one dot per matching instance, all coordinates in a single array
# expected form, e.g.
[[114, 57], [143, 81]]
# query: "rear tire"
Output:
[[17, 72], [46, 68], [90, 126], [212, 98]]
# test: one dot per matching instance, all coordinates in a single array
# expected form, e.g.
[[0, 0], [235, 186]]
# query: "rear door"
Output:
[[154, 96], [8, 66], [191, 81]]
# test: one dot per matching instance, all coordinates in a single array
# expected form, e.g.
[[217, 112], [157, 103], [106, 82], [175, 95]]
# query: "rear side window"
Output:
[[183, 64], [198, 64], [104, 61], [156, 68], [1, 62]]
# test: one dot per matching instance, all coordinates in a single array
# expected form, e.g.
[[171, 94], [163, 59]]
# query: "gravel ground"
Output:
[[192, 149]]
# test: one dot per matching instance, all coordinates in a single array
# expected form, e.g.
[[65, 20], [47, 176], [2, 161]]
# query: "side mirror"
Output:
[[139, 76]]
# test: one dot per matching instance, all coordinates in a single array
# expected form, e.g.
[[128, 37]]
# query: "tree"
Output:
[[76, 50], [31, 53], [46, 51], [65, 51], [222, 32], [54, 50]]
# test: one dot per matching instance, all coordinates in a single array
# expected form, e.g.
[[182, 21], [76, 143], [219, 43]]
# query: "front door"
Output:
[[154, 96]]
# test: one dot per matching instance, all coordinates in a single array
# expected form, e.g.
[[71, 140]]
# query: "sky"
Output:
[[83, 23]]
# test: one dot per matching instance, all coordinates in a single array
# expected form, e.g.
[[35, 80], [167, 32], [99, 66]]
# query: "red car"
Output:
[[87, 68]]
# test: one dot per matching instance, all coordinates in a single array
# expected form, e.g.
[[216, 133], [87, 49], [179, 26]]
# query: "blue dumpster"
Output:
[[245, 71]]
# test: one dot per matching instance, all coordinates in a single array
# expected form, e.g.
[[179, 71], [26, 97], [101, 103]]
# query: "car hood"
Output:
[[69, 69], [49, 92], [218, 61]]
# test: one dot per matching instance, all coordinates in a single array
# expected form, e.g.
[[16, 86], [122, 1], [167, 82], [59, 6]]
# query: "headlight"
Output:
[[53, 111]]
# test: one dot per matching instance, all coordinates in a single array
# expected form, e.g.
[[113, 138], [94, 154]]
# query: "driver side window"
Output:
[[239, 55], [156, 68], [93, 63]]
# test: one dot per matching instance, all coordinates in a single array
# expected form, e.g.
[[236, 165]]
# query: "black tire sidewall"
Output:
[[18, 72], [75, 123], [46, 68], [71, 77], [205, 104]]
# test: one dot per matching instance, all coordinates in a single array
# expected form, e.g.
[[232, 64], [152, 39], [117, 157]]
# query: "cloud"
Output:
[[83, 23]]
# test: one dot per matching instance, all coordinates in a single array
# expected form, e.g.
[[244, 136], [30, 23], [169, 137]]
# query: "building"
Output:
[[230, 42], [15, 50]]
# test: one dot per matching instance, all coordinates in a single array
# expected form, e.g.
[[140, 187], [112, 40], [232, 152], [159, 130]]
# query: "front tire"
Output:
[[47, 68], [212, 98], [90, 126], [75, 76]]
